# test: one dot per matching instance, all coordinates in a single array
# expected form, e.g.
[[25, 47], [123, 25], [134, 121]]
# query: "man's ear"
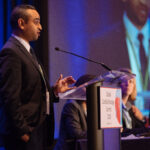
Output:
[[21, 23]]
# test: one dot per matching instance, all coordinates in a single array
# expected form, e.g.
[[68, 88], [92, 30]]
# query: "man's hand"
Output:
[[62, 84], [25, 138]]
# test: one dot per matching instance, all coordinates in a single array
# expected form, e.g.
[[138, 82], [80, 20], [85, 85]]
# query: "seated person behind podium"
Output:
[[73, 123], [132, 117]]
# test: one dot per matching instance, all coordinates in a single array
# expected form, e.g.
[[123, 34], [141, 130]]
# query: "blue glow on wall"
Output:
[[1, 24], [76, 30], [9, 9], [19, 2], [74, 21]]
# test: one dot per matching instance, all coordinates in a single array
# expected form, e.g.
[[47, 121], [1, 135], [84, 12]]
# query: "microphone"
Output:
[[102, 64]]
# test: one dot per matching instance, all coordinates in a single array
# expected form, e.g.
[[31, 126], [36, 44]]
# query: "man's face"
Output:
[[137, 11], [32, 27]]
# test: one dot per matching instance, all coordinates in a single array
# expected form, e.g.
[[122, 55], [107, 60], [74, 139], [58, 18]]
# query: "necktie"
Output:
[[36, 60], [143, 58], [33, 55], [42, 74]]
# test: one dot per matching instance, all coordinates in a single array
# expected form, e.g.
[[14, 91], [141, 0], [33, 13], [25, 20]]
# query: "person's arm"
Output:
[[72, 121], [138, 121], [137, 113]]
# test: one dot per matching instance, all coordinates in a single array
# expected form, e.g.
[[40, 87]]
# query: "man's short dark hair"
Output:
[[19, 12]]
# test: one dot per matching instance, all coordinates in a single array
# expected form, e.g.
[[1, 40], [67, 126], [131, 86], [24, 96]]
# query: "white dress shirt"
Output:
[[23, 42], [126, 117]]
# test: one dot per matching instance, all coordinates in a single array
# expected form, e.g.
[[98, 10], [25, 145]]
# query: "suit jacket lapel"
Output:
[[26, 54]]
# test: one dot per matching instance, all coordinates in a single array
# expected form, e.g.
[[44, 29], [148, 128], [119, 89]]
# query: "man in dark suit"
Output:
[[26, 112], [120, 46]]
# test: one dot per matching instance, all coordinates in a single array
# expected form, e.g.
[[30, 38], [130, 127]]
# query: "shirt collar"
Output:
[[133, 31], [22, 41], [124, 107]]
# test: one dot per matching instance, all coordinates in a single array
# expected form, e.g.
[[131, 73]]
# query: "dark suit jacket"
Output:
[[22, 91], [73, 126], [110, 48]]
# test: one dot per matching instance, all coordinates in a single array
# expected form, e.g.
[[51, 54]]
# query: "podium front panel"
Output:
[[98, 139]]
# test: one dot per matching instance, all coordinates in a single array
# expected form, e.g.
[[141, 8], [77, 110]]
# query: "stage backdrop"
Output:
[[72, 25]]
